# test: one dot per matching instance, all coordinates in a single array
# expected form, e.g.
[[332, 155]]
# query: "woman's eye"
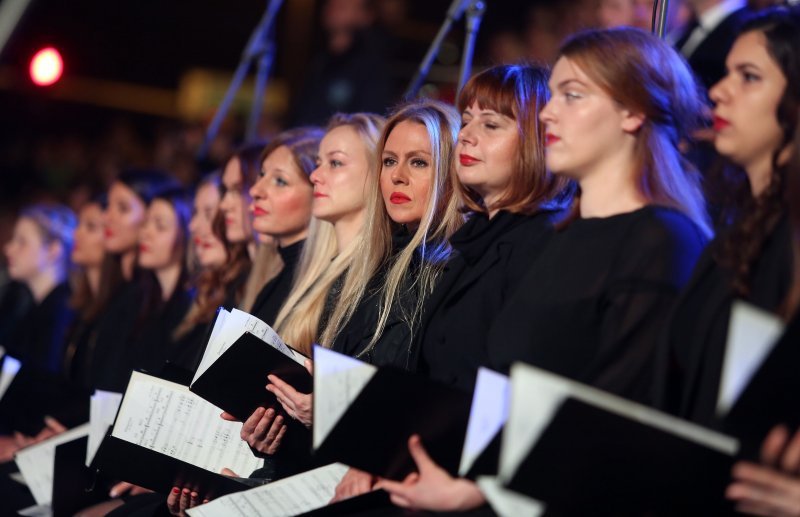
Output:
[[335, 164], [571, 96], [280, 182], [750, 77], [490, 125], [416, 162], [389, 162]]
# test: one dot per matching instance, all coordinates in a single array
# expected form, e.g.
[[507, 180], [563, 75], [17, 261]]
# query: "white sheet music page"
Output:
[[534, 401], [752, 333], [10, 369], [232, 326], [290, 496], [103, 407], [166, 417], [507, 503], [37, 462], [488, 414], [338, 379]]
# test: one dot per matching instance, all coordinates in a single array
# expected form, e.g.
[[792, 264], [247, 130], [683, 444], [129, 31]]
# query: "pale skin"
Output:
[[771, 488]]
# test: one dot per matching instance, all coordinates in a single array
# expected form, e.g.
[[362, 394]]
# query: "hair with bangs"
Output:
[[518, 92]]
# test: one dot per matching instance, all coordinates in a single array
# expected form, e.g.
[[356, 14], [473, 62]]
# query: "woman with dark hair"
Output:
[[755, 116], [99, 363], [593, 303]]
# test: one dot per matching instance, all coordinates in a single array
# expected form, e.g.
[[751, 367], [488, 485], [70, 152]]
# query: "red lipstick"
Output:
[[550, 138], [398, 198], [720, 123], [258, 211], [466, 159], [319, 194]]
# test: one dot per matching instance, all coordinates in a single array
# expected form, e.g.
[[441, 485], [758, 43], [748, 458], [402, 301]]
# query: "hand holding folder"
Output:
[[240, 354]]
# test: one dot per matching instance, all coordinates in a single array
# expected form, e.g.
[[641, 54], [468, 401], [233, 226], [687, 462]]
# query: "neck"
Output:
[[44, 283], [93, 277], [168, 280], [287, 240], [127, 262], [612, 193], [251, 249], [347, 228]]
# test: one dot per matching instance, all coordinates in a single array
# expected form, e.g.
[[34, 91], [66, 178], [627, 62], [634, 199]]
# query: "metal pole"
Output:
[[474, 16]]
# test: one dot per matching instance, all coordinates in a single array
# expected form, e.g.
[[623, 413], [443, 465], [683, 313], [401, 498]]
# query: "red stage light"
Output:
[[46, 67]]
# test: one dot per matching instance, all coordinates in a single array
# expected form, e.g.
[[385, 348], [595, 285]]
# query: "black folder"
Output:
[[372, 434], [119, 459], [375, 503], [771, 397], [590, 461], [73, 481], [237, 380]]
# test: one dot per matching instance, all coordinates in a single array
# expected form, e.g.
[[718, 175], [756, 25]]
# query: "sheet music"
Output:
[[537, 394], [338, 379], [166, 417], [229, 327], [290, 496], [10, 369], [37, 510], [752, 333], [103, 407], [487, 415], [37, 462], [507, 503]]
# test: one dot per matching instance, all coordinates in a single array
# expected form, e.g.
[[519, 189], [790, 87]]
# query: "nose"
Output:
[[257, 191], [719, 92], [193, 224], [316, 176], [399, 175], [467, 135], [547, 114]]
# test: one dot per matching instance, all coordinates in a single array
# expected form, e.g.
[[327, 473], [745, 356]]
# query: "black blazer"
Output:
[[490, 258], [708, 59]]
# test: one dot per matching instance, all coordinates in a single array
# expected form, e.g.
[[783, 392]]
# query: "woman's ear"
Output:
[[631, 122], [55, 252]]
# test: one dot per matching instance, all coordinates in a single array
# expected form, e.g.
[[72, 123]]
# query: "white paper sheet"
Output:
[[166, 417], [488, 414], [10, 369], [507, 503], [37, 510], [229, 327], [338, 379], [290, 496], [103, 407], [37, 462], [752, 333], [537, 394]]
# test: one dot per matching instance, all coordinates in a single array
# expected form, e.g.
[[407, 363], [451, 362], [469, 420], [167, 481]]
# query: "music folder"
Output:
[[363, 416], [578, 449], [237, 380], [166, 436], [760, 387], [73, 480]]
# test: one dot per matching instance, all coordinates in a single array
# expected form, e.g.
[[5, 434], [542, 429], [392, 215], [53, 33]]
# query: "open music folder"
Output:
[[759, 388], [363, 416], [241, 352], [577, 449], [166, 436]]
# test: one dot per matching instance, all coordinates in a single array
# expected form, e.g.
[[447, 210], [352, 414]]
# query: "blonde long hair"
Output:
[[442, 218], [299, 318]]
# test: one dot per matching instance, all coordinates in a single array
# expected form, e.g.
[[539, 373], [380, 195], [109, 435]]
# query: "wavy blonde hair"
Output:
[[442, 217], [320, 266]]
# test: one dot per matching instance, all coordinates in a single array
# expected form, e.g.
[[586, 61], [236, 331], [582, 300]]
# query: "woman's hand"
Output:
[[297, 405], [354, 482], [263, 431], [123, 487], [771, 488], [431, 488], [181, 499]]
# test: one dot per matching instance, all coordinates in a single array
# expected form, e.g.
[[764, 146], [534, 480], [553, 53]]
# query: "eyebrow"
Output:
[[566, 82], [409, 153], [337, 151]]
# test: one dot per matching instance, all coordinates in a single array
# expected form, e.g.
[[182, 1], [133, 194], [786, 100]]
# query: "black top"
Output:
[[490, 258], [593, 304], [690, 364], [39, 337], [708, 58], [274, 293]]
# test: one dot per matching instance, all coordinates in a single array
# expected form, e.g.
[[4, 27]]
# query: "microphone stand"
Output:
[[474, 16], [261, 50], [454, 13], [660, 15]]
